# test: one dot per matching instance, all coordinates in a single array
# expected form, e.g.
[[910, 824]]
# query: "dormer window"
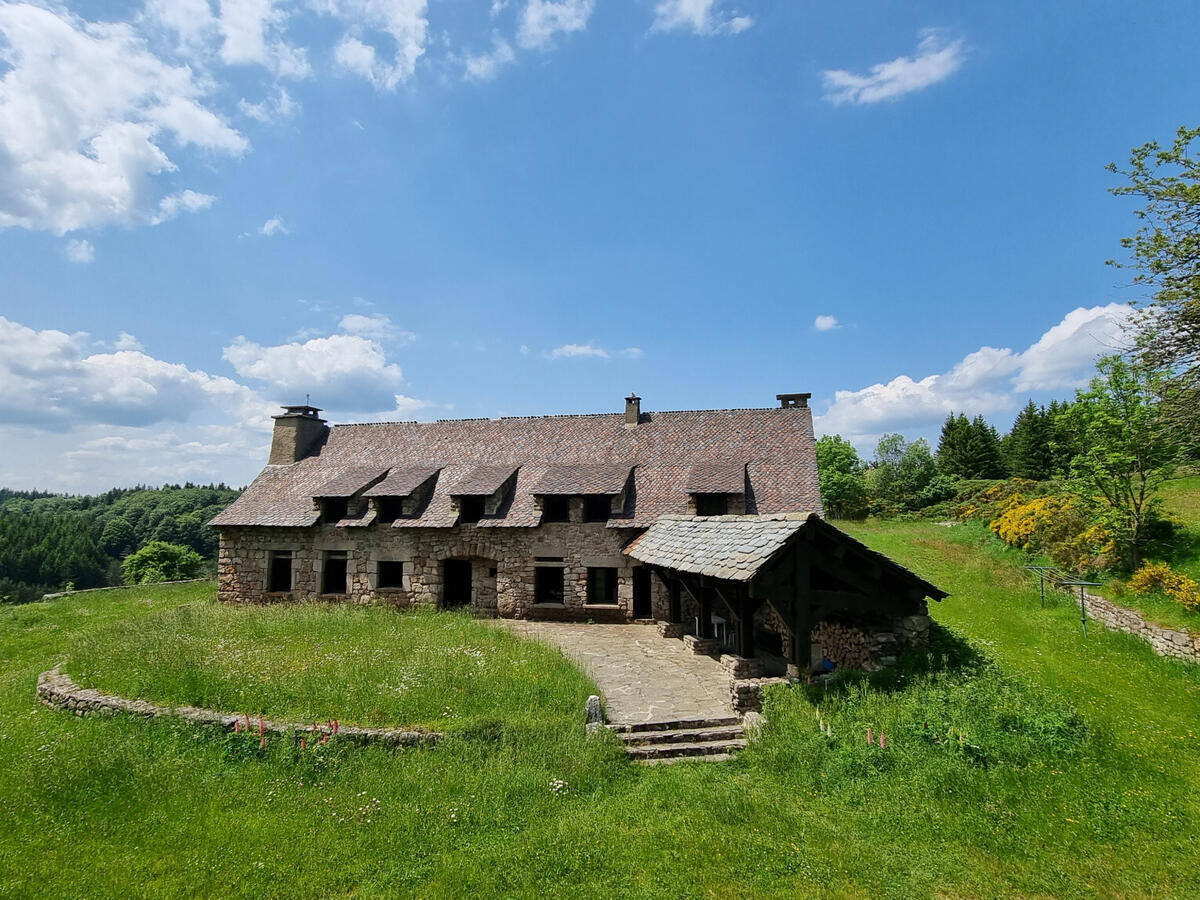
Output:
[[712, 504], [390, 509], [333, 510], [597, 508], [470, 509], [556, 508]]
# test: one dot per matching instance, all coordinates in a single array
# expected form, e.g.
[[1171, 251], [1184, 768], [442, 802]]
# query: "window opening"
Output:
[[547, 584], [596, 508], [391, 574], [470, 509], [279, 572], [601, 585], [712, 504], [333, 576], [556, 509]]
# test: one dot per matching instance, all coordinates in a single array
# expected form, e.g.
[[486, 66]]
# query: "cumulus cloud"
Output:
[[697, 16], [346, 371], [251, 35], [541, 20], [825, 323], [50, 380], [937, 58], [401, 23], [85, 108], [377, 327], [271, 110], [188, 201], [80, 251], [987, 381], [126, 341]]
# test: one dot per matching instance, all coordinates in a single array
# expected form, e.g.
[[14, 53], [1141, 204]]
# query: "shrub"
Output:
[[1162, 579], [1058, 526], [160, 561]]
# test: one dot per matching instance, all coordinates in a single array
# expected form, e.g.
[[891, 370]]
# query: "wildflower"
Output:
[[262, 742], [882, 741], [870, 737], [303, 743]]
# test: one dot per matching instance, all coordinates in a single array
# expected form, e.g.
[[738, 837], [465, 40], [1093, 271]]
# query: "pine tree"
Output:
[[1029, 451], [984, 458], [954, 452]]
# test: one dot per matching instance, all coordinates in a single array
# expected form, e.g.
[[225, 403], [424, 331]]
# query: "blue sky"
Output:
[[449, 208]]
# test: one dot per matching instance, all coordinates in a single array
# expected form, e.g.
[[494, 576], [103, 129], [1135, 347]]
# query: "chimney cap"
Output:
[[301, 409], [793, 401]]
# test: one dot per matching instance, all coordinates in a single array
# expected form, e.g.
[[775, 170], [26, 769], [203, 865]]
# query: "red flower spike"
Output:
[[260, 725], [870, 737], [303, 743], [237, 726], [262, 743], [335, 726], [882, 741]]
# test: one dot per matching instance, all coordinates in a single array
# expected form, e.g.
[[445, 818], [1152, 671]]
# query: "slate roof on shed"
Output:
[[729, 547], [736, 548], [775, 444]]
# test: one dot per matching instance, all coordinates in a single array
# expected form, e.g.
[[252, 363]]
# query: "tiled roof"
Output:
[[601, 479], [482, 481], [775, 444], [349, 482], [402, 481], [717, 478], [735, 548], [729, 547]]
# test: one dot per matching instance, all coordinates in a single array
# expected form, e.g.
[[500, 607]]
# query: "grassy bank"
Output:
[[1074, 776]]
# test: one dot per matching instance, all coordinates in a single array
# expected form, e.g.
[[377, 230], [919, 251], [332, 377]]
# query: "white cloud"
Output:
[[272, 110], [573, 351], [346, 371], [377, 327], [825, 323], [987, 381], [80, 251], [126, 341], [85, 109], [697, 16], [633, 353], [185, 201], [50, 380], [250, 35], [403, 23], [486, 66], [937, 58], [541, 20], [272, 227]]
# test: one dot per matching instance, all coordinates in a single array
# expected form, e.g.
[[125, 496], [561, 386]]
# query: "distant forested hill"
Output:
[[49, 541]]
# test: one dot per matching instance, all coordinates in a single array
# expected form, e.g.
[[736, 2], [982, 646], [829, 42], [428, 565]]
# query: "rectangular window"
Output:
[[596, 508], [556, 509], [390, 509], [470, 509], [712, 504], [391, 574], [333, 575], [547, 584], [333, 510], [602, 585], [279, 571]]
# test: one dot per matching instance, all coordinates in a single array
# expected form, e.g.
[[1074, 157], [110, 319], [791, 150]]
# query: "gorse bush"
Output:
[[1059, 526], [1159, 578]]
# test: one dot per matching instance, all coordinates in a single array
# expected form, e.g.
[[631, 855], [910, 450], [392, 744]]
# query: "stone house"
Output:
[[576, 517]]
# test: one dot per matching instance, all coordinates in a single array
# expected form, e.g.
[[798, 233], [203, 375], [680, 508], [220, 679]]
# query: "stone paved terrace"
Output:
[[643, 676]]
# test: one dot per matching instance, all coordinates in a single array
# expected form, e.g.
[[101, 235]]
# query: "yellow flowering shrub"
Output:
[[1162, 579], [1056, 525]]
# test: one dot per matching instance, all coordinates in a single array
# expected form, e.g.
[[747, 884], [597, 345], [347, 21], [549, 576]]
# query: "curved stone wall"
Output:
[[56, 689]]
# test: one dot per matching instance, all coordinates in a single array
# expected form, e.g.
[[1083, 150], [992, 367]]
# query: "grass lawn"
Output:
[[1021, 760]]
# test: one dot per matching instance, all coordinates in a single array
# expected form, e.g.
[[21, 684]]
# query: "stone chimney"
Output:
[[633, 410], [298, 432], [793, 401]]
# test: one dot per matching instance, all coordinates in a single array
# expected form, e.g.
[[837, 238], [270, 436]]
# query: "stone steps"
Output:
[[712, 739], [682, 736], [677, 724], [703, 749]]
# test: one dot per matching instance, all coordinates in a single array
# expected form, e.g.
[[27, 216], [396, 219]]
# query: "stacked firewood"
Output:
[[844, 645]]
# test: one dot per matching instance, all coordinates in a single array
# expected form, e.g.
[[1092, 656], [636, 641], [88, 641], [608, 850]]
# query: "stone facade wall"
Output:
[[1165, 641], [56, 689], [503, 561]]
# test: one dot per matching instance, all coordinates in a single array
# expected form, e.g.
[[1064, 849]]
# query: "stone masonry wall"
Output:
[[56, 689], [1165, 641], [503, 561]]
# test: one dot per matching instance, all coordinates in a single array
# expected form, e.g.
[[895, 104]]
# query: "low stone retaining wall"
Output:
[[745, 694], [1165, 641], [122, 587], [56, 689]]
